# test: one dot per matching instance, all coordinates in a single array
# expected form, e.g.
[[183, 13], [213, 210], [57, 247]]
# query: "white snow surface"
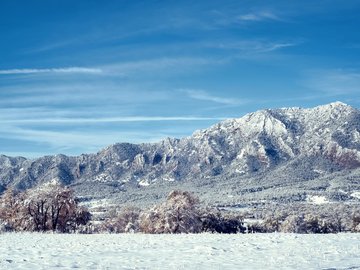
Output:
[[317, 199], [356, 195], [202, 251]]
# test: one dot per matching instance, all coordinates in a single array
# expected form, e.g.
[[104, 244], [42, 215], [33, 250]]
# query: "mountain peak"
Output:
[[338, 103], [334, 105]]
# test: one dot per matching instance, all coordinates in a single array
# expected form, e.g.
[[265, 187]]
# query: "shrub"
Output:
[[256, 227], [127, 221], [178, 214], [356, 222], [272, 224], [216, 222]]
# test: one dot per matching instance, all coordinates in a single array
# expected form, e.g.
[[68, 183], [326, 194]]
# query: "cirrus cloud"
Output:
[[205, 96], [50, 70], [258, 16]]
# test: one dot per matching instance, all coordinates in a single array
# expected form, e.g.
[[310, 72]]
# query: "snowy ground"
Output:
[[203, 251]]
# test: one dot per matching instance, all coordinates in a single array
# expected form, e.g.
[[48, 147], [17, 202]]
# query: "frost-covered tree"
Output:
[[178, 214], [12, 211], [48, 207], [53, 207], [126, 221]]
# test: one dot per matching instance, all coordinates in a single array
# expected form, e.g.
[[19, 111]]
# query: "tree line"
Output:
[[55, 208]]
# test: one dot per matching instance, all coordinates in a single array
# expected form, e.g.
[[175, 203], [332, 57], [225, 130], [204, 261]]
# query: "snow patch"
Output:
[[317, 199], [96, 203], [169, 179], [319, 171], [103, 177], [356, 195], [144, 183], [240, 171]]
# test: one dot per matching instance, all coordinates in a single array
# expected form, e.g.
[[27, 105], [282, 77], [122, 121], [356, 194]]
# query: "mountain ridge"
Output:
[[326, 138]]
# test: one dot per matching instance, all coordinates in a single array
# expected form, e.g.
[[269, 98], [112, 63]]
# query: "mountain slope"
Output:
[[291, 144]]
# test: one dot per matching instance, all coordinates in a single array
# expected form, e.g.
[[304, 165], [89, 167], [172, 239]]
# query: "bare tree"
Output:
[[48, 207]]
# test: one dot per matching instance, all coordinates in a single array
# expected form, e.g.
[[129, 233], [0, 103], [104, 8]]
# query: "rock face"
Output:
[[308, 143]]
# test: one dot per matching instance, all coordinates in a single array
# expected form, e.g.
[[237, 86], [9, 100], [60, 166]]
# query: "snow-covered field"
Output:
[[202, 251]]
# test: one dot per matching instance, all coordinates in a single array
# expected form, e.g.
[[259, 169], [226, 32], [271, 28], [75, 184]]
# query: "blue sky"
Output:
[[76, 76]]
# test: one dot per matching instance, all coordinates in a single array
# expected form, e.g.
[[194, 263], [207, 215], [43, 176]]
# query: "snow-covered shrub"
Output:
[[210, 221], [89, 228], [356, 222], [256, 227], [312, 224], [272, 224], [301, 224], [293, 224], [127, 221], [216, 222], [305, 218], [178, 214], [328, 226], [82, 216], [5, 227]]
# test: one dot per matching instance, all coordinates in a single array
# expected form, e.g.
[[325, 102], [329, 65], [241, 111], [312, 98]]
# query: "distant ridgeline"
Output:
[[282, 155]]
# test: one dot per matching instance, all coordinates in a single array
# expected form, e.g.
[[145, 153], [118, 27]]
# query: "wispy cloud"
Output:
[[205, 96], [253, 46], [277, 46], [75, 94], [258, 16], [83, 130], [177, 64], [65, 140], [56, 45], [334, 82], [82, 140], [99, 120], [51, 70]]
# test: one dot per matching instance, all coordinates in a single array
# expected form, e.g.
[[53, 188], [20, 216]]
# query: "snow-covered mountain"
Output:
[[289, 143]]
